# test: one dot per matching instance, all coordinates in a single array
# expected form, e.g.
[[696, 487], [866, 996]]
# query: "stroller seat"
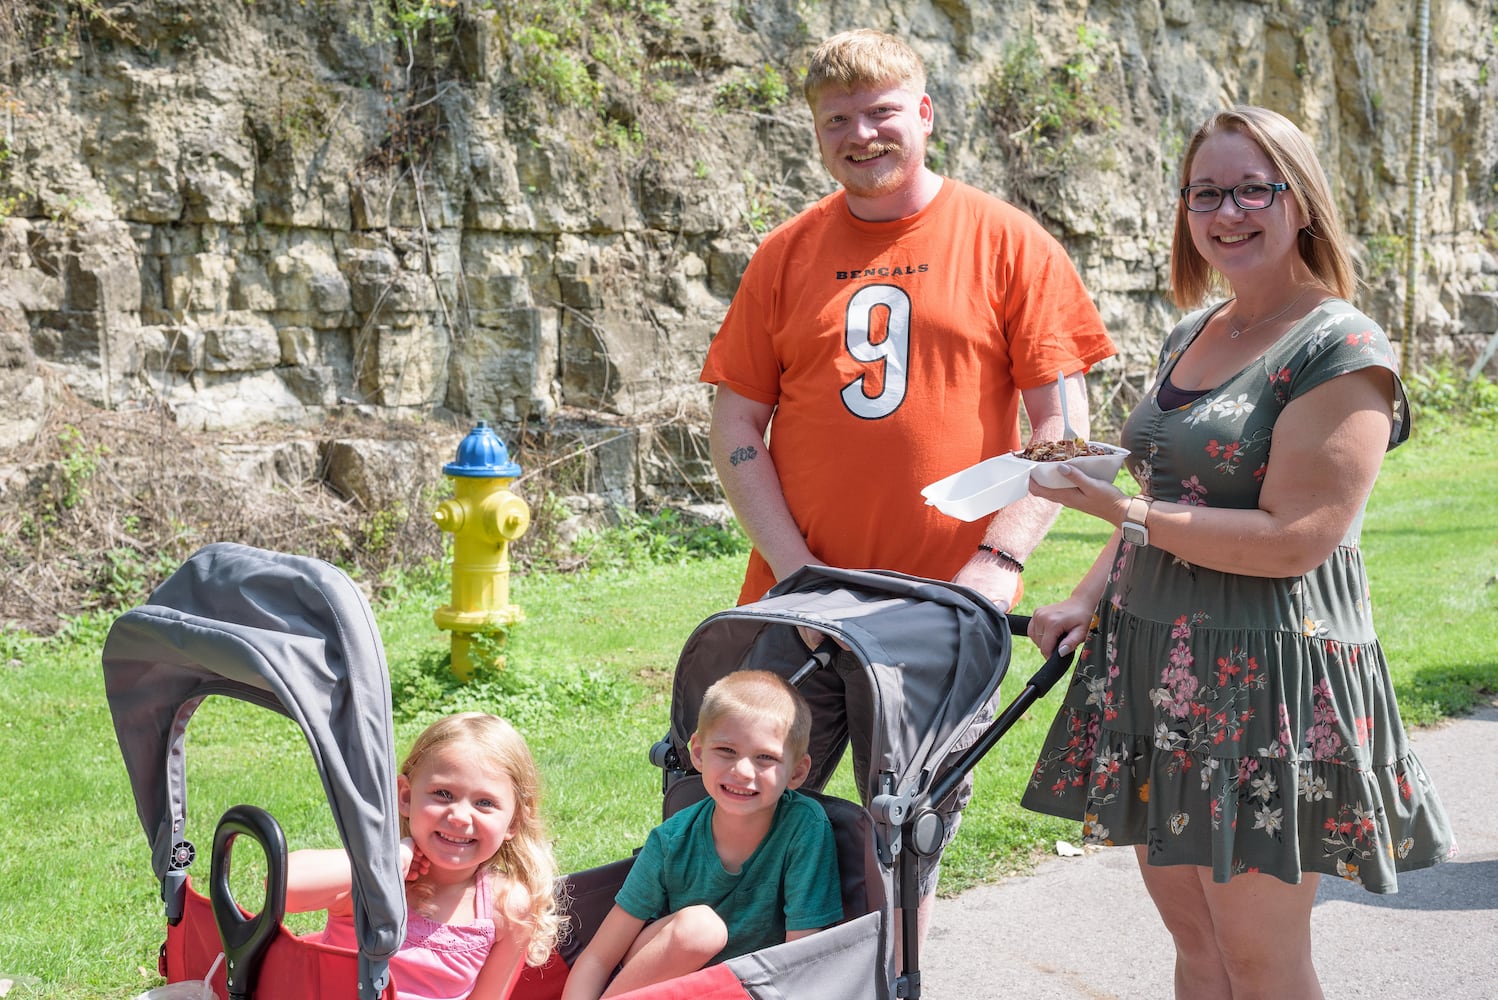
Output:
[[913, 680], [814, 966]]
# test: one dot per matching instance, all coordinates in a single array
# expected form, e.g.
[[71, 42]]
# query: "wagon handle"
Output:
[[246, 938]]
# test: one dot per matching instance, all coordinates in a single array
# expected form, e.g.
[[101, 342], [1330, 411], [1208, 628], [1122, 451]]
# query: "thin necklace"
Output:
[[1268, 319]]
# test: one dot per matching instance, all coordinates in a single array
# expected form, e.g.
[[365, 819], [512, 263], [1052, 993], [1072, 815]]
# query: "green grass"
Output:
[[588, 682]]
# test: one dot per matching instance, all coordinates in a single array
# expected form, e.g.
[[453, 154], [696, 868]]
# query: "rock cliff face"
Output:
[[535, 211]]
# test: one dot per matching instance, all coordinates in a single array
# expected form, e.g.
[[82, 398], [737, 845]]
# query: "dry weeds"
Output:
[[100, 506]]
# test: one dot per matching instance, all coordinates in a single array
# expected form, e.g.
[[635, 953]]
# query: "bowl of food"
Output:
[[1091, 458]]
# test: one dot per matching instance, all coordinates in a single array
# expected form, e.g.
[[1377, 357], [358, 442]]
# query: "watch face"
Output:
[[1135, 534]]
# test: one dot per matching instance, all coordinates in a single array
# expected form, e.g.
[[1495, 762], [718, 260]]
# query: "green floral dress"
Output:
[[1239, 723]]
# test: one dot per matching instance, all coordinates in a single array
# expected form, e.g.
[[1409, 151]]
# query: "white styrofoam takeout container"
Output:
[[981, 489]]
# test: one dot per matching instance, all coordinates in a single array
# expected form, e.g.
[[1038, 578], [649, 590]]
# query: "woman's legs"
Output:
[[1177, 893], [1264, 934], [1248, 939]]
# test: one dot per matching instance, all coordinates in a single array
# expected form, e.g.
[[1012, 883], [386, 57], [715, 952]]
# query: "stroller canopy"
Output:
[[930, 656], [290, 634]]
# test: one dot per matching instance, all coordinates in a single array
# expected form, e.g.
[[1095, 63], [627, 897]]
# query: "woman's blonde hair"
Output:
[[1322, 243], [526, 858], [863, 57], [763, 697]]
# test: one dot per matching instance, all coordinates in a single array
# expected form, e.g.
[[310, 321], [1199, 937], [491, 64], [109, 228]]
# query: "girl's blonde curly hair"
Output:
[[526, 858]]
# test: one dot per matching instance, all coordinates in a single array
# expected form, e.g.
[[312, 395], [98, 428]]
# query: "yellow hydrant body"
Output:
[[483, 517]]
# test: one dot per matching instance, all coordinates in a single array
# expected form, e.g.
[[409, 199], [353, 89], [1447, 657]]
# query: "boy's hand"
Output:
[[414, 864]]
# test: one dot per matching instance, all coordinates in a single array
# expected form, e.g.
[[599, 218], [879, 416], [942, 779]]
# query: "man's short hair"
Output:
[[863, 57]]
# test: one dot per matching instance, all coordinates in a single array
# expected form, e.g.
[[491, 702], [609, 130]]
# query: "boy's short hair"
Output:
[[761, 696], [863, 57]]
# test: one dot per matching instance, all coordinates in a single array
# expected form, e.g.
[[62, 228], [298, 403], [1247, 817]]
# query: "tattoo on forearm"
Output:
[[745, 454]]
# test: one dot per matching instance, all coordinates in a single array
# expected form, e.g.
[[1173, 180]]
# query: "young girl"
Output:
[[479, 868]]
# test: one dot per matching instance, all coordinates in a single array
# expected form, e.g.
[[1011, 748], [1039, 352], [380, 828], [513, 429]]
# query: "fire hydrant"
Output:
[[484, 517]]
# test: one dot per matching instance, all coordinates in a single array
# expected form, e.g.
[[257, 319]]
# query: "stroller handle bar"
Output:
[[922, 829], [1035, 688]]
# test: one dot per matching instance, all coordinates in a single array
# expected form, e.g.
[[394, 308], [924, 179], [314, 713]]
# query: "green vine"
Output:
[[614, 62], [1041, 112], [762, 91]]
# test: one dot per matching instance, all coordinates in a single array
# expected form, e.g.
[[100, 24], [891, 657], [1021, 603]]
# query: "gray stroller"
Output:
[[921, 670], [294, 635]]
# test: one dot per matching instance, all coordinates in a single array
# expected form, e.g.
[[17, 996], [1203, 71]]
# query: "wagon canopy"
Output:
[[924, 661], [290, 634]]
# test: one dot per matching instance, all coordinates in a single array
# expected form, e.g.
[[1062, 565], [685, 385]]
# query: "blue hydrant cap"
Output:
[[482, 455]]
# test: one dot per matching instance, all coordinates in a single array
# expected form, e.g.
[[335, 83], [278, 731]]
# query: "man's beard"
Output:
[[881, 181]]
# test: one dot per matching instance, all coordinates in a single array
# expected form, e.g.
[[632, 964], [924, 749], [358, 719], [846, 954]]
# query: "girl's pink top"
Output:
[[436, 961]]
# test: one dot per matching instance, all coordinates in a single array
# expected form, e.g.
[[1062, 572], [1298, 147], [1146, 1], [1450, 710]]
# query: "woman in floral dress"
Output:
[[1231, 712]]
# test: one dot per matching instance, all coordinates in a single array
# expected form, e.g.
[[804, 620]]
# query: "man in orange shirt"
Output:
[[892, 330]]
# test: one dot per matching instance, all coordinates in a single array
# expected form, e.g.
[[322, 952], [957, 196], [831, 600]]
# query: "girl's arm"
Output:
[[324, 880], [319, 880], [501, 970]]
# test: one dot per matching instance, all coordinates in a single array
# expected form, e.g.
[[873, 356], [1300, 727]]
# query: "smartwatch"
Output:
[[1135, 529]]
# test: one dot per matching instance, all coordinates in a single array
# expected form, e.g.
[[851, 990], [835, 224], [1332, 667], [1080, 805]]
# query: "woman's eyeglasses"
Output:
[[1250, 196]]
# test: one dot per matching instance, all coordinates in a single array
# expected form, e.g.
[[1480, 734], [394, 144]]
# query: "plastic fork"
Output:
[[1069, 433]]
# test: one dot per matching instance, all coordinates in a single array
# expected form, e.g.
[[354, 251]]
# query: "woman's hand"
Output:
[[1060, 628], [1090, 496]]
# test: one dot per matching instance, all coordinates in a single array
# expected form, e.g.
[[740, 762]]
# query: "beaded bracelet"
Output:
[[1002, 556]]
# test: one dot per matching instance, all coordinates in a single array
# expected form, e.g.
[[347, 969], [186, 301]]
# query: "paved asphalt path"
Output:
[[1084, 929]]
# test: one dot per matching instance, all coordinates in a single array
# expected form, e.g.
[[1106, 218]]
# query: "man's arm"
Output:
[[1018, 528], [752, 484]]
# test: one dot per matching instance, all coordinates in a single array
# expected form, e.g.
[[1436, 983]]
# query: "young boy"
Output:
[[750, 866]]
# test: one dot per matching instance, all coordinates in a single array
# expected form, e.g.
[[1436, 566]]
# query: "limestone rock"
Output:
[[274, 212]]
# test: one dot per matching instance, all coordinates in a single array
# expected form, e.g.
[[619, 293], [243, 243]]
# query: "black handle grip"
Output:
[[246, 938], [1052, 669]]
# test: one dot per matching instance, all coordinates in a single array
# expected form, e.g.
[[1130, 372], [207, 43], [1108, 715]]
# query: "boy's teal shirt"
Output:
[[790, 882]]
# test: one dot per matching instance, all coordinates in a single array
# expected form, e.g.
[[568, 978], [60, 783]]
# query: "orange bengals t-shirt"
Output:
[[894, 353]]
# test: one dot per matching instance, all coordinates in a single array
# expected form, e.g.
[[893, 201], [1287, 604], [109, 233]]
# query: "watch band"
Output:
[[1135, 526]]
